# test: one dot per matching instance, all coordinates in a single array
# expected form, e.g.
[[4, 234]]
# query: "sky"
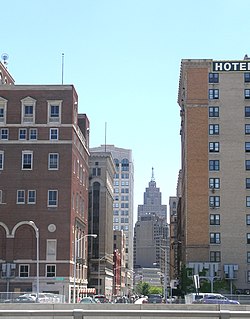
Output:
[[123, 58]]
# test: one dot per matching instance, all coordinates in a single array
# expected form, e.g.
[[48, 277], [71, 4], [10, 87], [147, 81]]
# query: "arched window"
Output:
[[116, 164], [125, 164]]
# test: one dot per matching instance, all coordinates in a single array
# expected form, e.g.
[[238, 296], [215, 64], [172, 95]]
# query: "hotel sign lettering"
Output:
[[231, 66]]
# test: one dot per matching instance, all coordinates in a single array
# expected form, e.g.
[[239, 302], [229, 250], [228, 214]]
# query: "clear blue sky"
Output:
[[123, 57]]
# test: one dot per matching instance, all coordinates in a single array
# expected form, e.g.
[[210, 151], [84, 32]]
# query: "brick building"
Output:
[[214, 208], [43, 187]]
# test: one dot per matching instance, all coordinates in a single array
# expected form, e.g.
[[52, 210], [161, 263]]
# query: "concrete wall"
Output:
[[116, 311]]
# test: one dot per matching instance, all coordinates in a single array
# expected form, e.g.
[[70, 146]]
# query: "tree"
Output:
[[155, 290], [142, 288]]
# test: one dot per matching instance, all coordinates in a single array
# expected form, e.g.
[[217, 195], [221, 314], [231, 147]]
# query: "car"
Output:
[[100, 298], [87, 300], [24, 299], [154, 298], [216, 299]]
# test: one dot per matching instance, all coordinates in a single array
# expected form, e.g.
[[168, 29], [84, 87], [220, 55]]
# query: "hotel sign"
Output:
[[231, 66]]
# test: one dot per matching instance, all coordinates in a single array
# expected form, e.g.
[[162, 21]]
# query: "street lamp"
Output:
[[105, 256], [76, 241], [31, 223]]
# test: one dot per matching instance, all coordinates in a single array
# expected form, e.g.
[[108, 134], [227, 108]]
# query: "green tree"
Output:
[[186, 283], [142, 288], [155, 290]]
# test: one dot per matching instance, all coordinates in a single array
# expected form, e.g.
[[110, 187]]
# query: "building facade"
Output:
[[214, 216], [100, 220], [123, 201], [43, 187]]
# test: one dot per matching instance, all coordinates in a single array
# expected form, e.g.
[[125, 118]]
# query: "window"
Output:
[[214, 147], [51, 249], [213, 94], [248, 201], [116, 220], [247, 165], [247, 128], [213, 129], [52, 198], [214, 165], [31, 196], [24, 271], [214, 201], [214, 238], [96, 171], [1, 160], [20, 197], [1, 114], [248, 257], [214, 111], [247, 93], [22, 134], [214, 219], [248, 276], [1, 196], [248, 219], [27, 160], [33, 134], [214, 183], [125, 164], [247, 183], [53, 161], [247, 111], [53, 134], [3, 109], [215, 256], [248, 238], [54, 111], [213, 78], [4, 134], [247, 147], [246, 77], [28, 110], [50, 270]]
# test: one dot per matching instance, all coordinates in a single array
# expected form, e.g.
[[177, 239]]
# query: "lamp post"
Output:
[[31, 223], [76, 241]]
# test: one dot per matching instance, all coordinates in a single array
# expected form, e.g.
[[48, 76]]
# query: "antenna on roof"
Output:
[[153, 176], [62, 66], [5, 57]]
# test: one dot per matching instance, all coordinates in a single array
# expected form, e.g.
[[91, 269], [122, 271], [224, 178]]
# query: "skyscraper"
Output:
[[151, 229], [123, 199]]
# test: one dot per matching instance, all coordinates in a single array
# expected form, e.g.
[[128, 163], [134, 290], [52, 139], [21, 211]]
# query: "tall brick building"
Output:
[[43, 187], [214, 208]]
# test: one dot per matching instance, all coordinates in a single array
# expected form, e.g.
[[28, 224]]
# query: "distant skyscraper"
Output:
[[152, 201], [151, 229]]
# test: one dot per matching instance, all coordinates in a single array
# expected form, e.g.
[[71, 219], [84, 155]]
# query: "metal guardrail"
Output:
[[116, 314]]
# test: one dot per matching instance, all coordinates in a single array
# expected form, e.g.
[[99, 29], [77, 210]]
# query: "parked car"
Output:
[[87, 300], [154, 298], [24, 299], [216, 299], [100, 298]]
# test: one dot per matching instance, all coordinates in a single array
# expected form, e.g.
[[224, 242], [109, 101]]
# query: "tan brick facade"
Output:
[[214, 220]]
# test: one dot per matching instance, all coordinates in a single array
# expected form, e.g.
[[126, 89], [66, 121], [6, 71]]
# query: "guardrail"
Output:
[[117, 314]]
